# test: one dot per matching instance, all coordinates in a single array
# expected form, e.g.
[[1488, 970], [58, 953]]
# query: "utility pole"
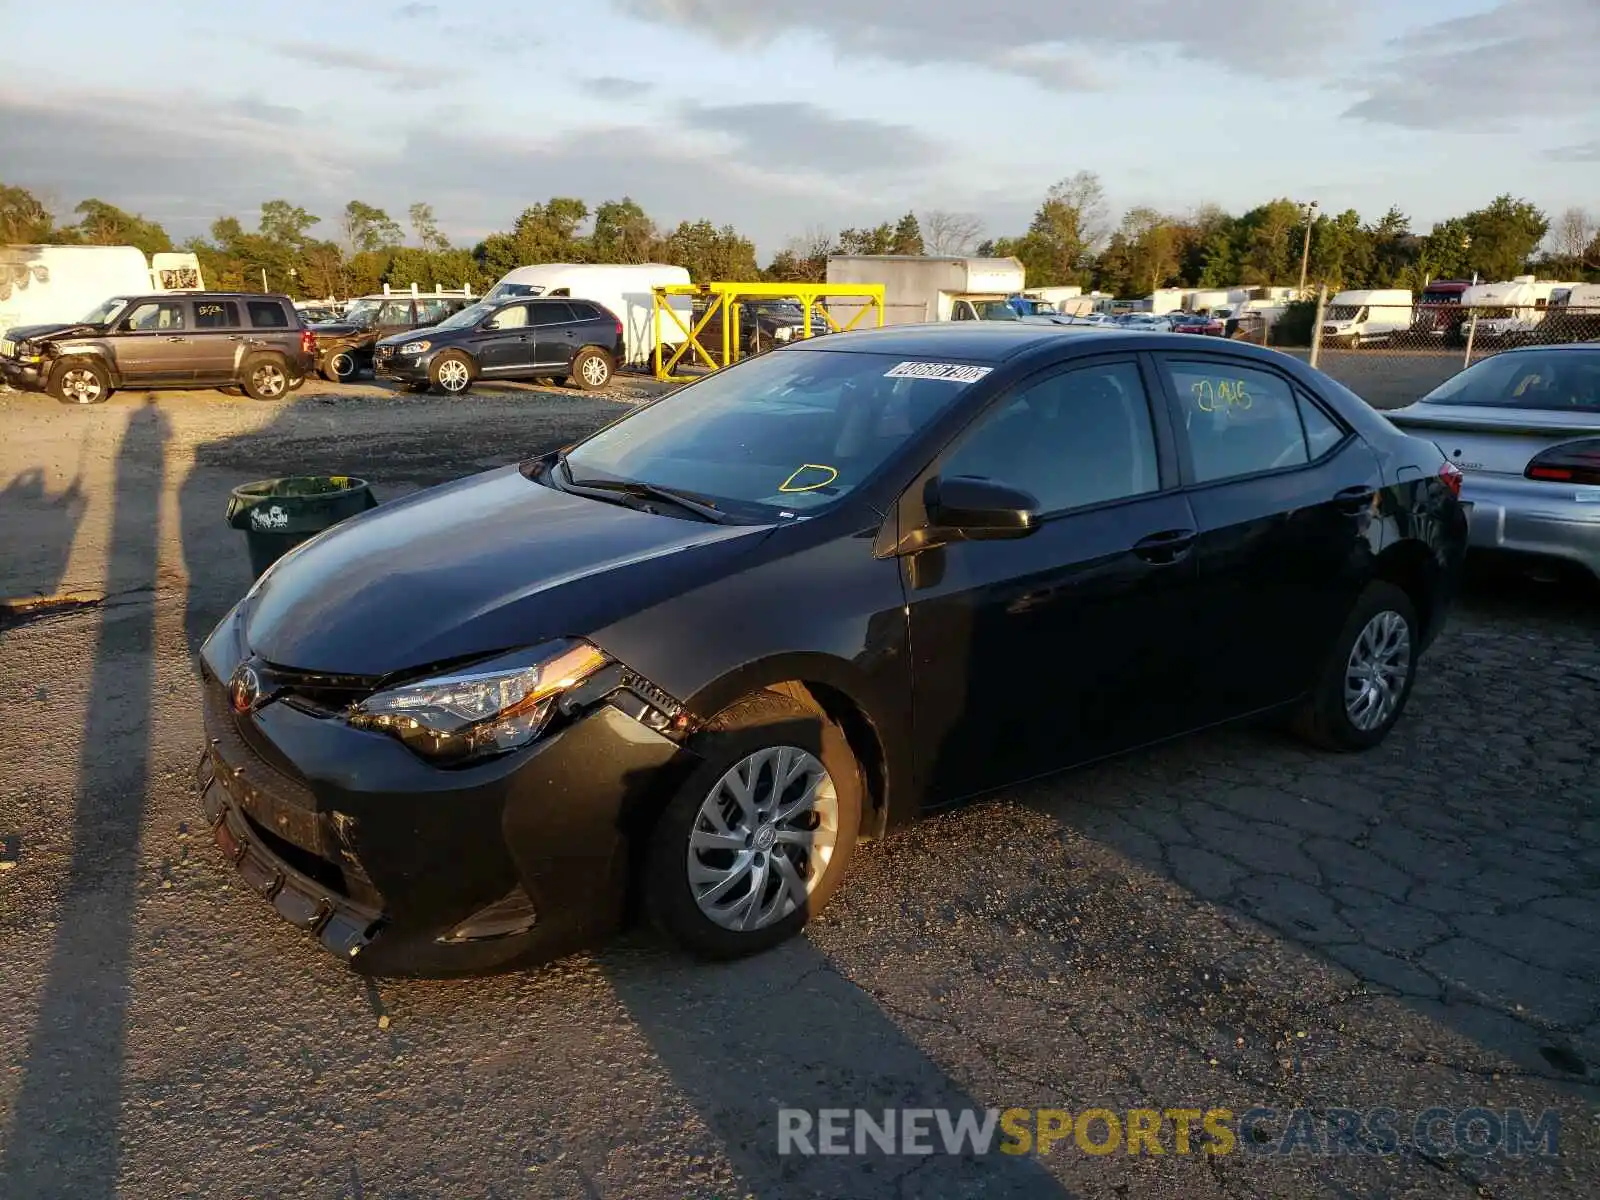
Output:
[[1305, 249]]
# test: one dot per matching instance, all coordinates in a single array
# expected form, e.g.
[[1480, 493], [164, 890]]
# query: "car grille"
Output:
[[382, 353], [8, 348]]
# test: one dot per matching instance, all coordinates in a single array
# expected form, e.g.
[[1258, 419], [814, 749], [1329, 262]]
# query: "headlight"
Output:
[[783, 332], [485, 709], [416, 347]]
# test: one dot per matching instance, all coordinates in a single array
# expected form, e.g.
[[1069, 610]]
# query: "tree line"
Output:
[[1070, 240]]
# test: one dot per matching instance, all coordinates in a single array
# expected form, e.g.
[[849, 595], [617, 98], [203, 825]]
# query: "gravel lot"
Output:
[[1227, 922]]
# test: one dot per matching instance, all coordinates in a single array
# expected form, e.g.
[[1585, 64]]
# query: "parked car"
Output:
[[347, 343], [317, 314], [1147, 322], [764, 324], [697, 656], [507, 339], [1199, 323], [1246, 327], [1524, 427], [165, 340]]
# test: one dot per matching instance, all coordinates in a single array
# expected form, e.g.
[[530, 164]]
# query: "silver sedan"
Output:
[[1524, 427]]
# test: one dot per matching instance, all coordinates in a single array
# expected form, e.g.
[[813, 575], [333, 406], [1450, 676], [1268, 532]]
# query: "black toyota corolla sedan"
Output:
[[684, 666]]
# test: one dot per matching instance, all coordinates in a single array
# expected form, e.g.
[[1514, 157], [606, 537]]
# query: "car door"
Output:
[[153, 344], [554, 327], [1074, 641], [216, 340], [505, 342], [1285, 498]]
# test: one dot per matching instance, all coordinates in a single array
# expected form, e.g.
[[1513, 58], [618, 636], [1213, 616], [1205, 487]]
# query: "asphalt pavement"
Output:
[[1228, 922]]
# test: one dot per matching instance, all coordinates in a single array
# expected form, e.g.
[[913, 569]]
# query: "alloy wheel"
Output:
[[453, 375], [1375, 676], [763, 838], [81, 386], [595, 371], [269, 379]]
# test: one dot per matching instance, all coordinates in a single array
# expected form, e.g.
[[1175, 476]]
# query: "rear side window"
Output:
[[584, 311], [431, 311], [266, 314], [216, 314], [395, 312], [552, 312], [155, 315], [1323, 433], [1238, 420]]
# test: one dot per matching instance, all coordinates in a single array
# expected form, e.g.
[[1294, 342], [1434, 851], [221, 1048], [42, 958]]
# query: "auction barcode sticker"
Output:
[[954, 372]]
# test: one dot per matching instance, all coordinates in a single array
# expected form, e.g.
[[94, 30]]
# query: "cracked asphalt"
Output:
[[1230, 921]]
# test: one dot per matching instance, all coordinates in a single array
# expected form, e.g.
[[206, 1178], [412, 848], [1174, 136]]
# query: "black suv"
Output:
[[345, 345], [517, 338], [166, 340], [764, 324]]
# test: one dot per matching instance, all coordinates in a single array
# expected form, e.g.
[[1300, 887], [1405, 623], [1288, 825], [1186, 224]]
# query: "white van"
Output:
[[625, 289], [56, 285], [1357, 318]]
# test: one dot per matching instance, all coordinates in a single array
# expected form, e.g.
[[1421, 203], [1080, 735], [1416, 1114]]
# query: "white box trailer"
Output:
[[626, 289], [920, 288], [57, 285], [1511, 308]]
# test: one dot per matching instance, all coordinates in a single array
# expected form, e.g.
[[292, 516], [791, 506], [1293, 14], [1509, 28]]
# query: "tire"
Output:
[[80, 381], [338, 366], [265, 377], [759, 733], [1326, 718], [452, 373], [592, 369]]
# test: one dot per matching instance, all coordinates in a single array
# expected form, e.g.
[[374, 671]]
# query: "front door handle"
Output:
[[1354, 499], [1167, 547], [177, 339]]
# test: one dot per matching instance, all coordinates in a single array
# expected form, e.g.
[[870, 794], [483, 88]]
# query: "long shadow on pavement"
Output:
[[63, 1139]]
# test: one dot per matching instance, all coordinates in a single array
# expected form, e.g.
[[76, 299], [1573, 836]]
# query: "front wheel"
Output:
[[591, 369], [451, 373], [1366, 679], [339, 366], [81, 382], [759, 836]]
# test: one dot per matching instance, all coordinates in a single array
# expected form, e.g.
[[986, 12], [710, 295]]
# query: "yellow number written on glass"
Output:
[[1214, 395]]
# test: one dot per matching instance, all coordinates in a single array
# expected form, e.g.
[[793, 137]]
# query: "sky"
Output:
[[784, 117]]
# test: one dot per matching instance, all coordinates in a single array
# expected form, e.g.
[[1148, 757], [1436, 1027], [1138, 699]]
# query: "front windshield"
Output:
[[779, 435], [1564, 380], [468, 316], [1343, 312], [995, 310], [105, 312], [361, 312]]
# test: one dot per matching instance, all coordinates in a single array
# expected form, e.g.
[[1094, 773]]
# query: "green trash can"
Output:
[[278, 514]]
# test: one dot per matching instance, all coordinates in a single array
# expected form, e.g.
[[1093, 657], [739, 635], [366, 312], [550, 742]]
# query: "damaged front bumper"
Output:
[[403, 868]]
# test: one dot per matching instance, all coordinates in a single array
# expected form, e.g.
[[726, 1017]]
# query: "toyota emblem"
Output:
[[244, 689]]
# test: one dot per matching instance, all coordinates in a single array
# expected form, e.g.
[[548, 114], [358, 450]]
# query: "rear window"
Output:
[[265, 314], [1563, 381], [216, 314]]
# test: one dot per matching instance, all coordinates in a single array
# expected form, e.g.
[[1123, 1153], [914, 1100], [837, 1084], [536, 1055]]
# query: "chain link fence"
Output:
[[1459, 333]]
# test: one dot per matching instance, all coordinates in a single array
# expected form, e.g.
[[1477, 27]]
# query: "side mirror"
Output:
[[979, 508]]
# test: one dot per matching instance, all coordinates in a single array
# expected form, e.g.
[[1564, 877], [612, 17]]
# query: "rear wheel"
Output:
[[80, 382], [591, 369], [266, 378], [451, 373], [338, 366], [1366, 679], [760, 834]]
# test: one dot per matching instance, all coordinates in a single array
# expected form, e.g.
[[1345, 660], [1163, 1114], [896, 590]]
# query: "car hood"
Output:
[[336, 328], [488, 563], [49, 333]]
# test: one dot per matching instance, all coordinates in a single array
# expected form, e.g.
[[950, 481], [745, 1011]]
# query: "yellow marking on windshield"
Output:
[[788, 485]]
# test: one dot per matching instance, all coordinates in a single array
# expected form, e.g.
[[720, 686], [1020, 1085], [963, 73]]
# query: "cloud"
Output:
[[786, 136], [1583, 152], [616, 87], [339, 59], [415, 12], [1491, 70], [1053, 44]]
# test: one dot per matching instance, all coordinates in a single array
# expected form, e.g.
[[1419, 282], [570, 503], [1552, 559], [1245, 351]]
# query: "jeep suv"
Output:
[[345, 345], [167, 340]]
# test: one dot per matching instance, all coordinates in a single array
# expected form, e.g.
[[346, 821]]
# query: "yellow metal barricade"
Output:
[[724, 298]]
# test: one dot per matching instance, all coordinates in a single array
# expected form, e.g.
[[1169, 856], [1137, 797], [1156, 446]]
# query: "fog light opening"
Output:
[[508, 916]]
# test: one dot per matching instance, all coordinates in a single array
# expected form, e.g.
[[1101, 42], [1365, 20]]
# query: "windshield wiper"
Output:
[[640, 490]]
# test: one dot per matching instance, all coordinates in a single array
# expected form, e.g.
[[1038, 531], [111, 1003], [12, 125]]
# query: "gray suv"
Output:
[[167, 340]]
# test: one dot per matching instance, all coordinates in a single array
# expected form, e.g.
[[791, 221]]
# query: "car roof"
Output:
[[998, 341], [132, 296]]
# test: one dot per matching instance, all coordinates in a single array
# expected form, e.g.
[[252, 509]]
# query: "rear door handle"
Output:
[[1167, 547], [177, 339], [1354, 499]]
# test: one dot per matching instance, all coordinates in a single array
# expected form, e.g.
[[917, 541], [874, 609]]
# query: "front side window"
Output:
[[395, 312], [1238, 420], [1564, 380], [514, 317], [785, 433], [154, 316], [264, 314], [431, 311], [1073, 439]]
